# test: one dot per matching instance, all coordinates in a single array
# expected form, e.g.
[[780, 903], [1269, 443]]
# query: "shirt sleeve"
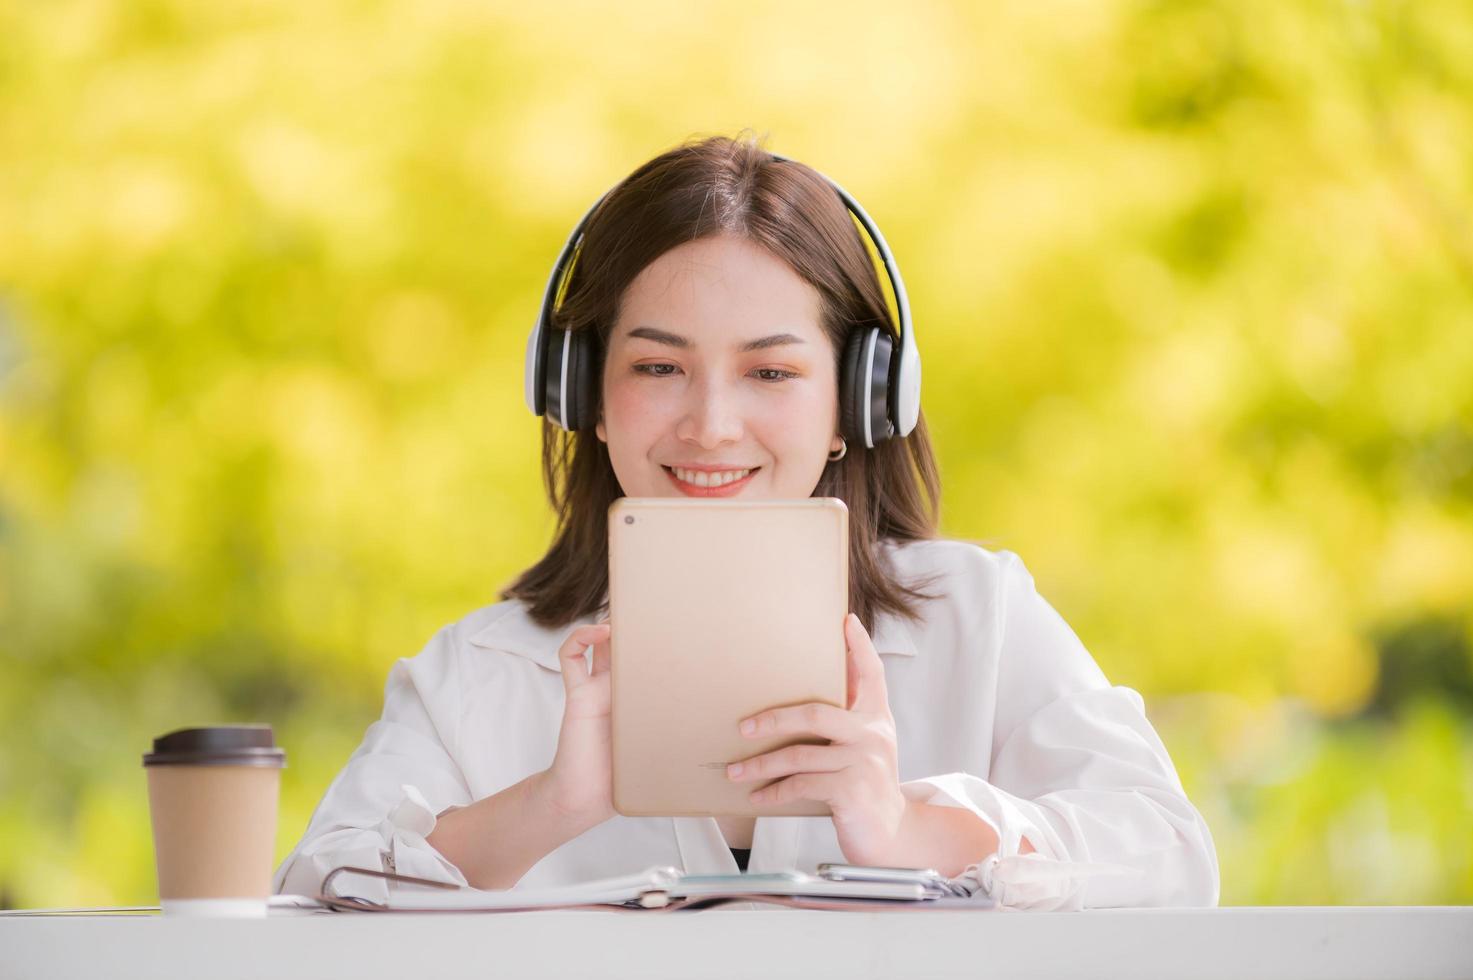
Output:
[[380, 809], [1079, 771]]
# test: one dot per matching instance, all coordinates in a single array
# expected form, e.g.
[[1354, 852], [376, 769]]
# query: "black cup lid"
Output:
[[220, 745]]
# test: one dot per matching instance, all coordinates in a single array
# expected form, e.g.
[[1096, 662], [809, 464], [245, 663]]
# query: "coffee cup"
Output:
[[212, 797]]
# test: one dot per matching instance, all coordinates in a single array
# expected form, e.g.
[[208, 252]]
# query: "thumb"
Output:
[[865, 671], [601, 650]]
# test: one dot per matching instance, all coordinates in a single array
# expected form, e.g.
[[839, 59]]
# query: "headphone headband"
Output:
[[908, 397]]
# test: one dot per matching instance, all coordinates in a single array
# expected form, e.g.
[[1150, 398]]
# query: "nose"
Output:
[[711, 415]]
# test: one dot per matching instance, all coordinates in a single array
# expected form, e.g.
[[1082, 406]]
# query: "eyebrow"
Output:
[[675, 340]]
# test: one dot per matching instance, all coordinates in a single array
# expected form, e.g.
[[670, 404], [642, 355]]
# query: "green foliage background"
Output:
[[1192, 282]]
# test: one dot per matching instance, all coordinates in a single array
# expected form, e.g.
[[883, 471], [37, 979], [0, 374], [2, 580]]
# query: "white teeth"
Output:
[[701, 478]]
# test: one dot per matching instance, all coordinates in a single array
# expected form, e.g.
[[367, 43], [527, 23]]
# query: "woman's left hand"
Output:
[[857, 774]]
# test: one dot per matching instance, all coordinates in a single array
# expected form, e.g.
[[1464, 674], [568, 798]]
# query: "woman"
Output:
[[719, 317]]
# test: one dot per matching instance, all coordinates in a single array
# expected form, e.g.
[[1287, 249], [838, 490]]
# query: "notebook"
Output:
[[667, 888]]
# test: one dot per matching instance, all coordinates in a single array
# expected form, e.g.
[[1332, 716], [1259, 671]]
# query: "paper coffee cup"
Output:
[[212, 796]]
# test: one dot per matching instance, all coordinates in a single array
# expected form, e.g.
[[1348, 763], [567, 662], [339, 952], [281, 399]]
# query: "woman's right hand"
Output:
[[580, 783]]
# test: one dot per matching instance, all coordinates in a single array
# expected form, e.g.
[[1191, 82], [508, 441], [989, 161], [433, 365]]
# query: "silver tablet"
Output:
[[718, 609]]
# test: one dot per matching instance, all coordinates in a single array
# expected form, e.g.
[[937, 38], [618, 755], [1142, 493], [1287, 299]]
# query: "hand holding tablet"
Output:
[[857, 774], [730, 680]]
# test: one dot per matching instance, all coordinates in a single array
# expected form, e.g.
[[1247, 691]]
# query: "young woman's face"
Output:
[[718, 367]]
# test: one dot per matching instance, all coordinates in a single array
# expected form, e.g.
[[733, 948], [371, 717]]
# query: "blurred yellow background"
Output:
[[1191, 282]]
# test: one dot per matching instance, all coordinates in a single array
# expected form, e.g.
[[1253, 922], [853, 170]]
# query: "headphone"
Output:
[[879, 393]]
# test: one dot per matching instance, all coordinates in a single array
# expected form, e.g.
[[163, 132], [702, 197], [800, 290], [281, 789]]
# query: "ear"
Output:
[[600, 431]]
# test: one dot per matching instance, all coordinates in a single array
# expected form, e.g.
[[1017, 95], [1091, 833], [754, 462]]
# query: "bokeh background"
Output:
[[1192, 283]]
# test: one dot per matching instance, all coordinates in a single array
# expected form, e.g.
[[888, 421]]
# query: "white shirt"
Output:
[[998, 709]]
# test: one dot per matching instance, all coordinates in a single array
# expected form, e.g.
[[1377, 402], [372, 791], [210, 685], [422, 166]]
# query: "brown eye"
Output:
[[781, 374]]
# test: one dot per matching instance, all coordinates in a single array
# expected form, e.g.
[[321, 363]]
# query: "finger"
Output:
[[601, 649], [867, 690], [789, 760], [813, 718], [851, 676], [601, 658], [571, 656], [823, 787]]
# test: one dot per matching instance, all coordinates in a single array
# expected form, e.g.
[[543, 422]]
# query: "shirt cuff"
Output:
[[396, 845], [1045, 880], [405, 829]]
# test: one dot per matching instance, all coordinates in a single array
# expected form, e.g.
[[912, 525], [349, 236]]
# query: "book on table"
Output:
[[667, 888]]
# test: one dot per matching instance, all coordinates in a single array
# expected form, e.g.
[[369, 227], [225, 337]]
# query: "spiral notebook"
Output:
[[666, 888]]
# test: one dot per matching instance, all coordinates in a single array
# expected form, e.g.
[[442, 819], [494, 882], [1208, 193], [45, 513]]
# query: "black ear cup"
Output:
[[851, 380], [882, 384], [549, 382], [580, 380], [574, 405], [866, 354], [859, 361]]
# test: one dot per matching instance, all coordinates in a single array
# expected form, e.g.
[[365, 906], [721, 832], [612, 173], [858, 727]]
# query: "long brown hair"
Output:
[[721, 186]]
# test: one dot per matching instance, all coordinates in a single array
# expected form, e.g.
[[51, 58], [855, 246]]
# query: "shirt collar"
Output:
[[513, 630]]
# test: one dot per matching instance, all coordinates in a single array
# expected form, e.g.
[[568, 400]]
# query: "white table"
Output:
[[1410, 943]]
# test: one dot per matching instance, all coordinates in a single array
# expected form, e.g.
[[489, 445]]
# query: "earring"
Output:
[[843, 449]]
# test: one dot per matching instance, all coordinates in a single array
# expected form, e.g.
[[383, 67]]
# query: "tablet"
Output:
[[718, 609]]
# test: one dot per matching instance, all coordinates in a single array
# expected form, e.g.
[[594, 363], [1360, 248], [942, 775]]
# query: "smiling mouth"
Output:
[[699, 483]]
